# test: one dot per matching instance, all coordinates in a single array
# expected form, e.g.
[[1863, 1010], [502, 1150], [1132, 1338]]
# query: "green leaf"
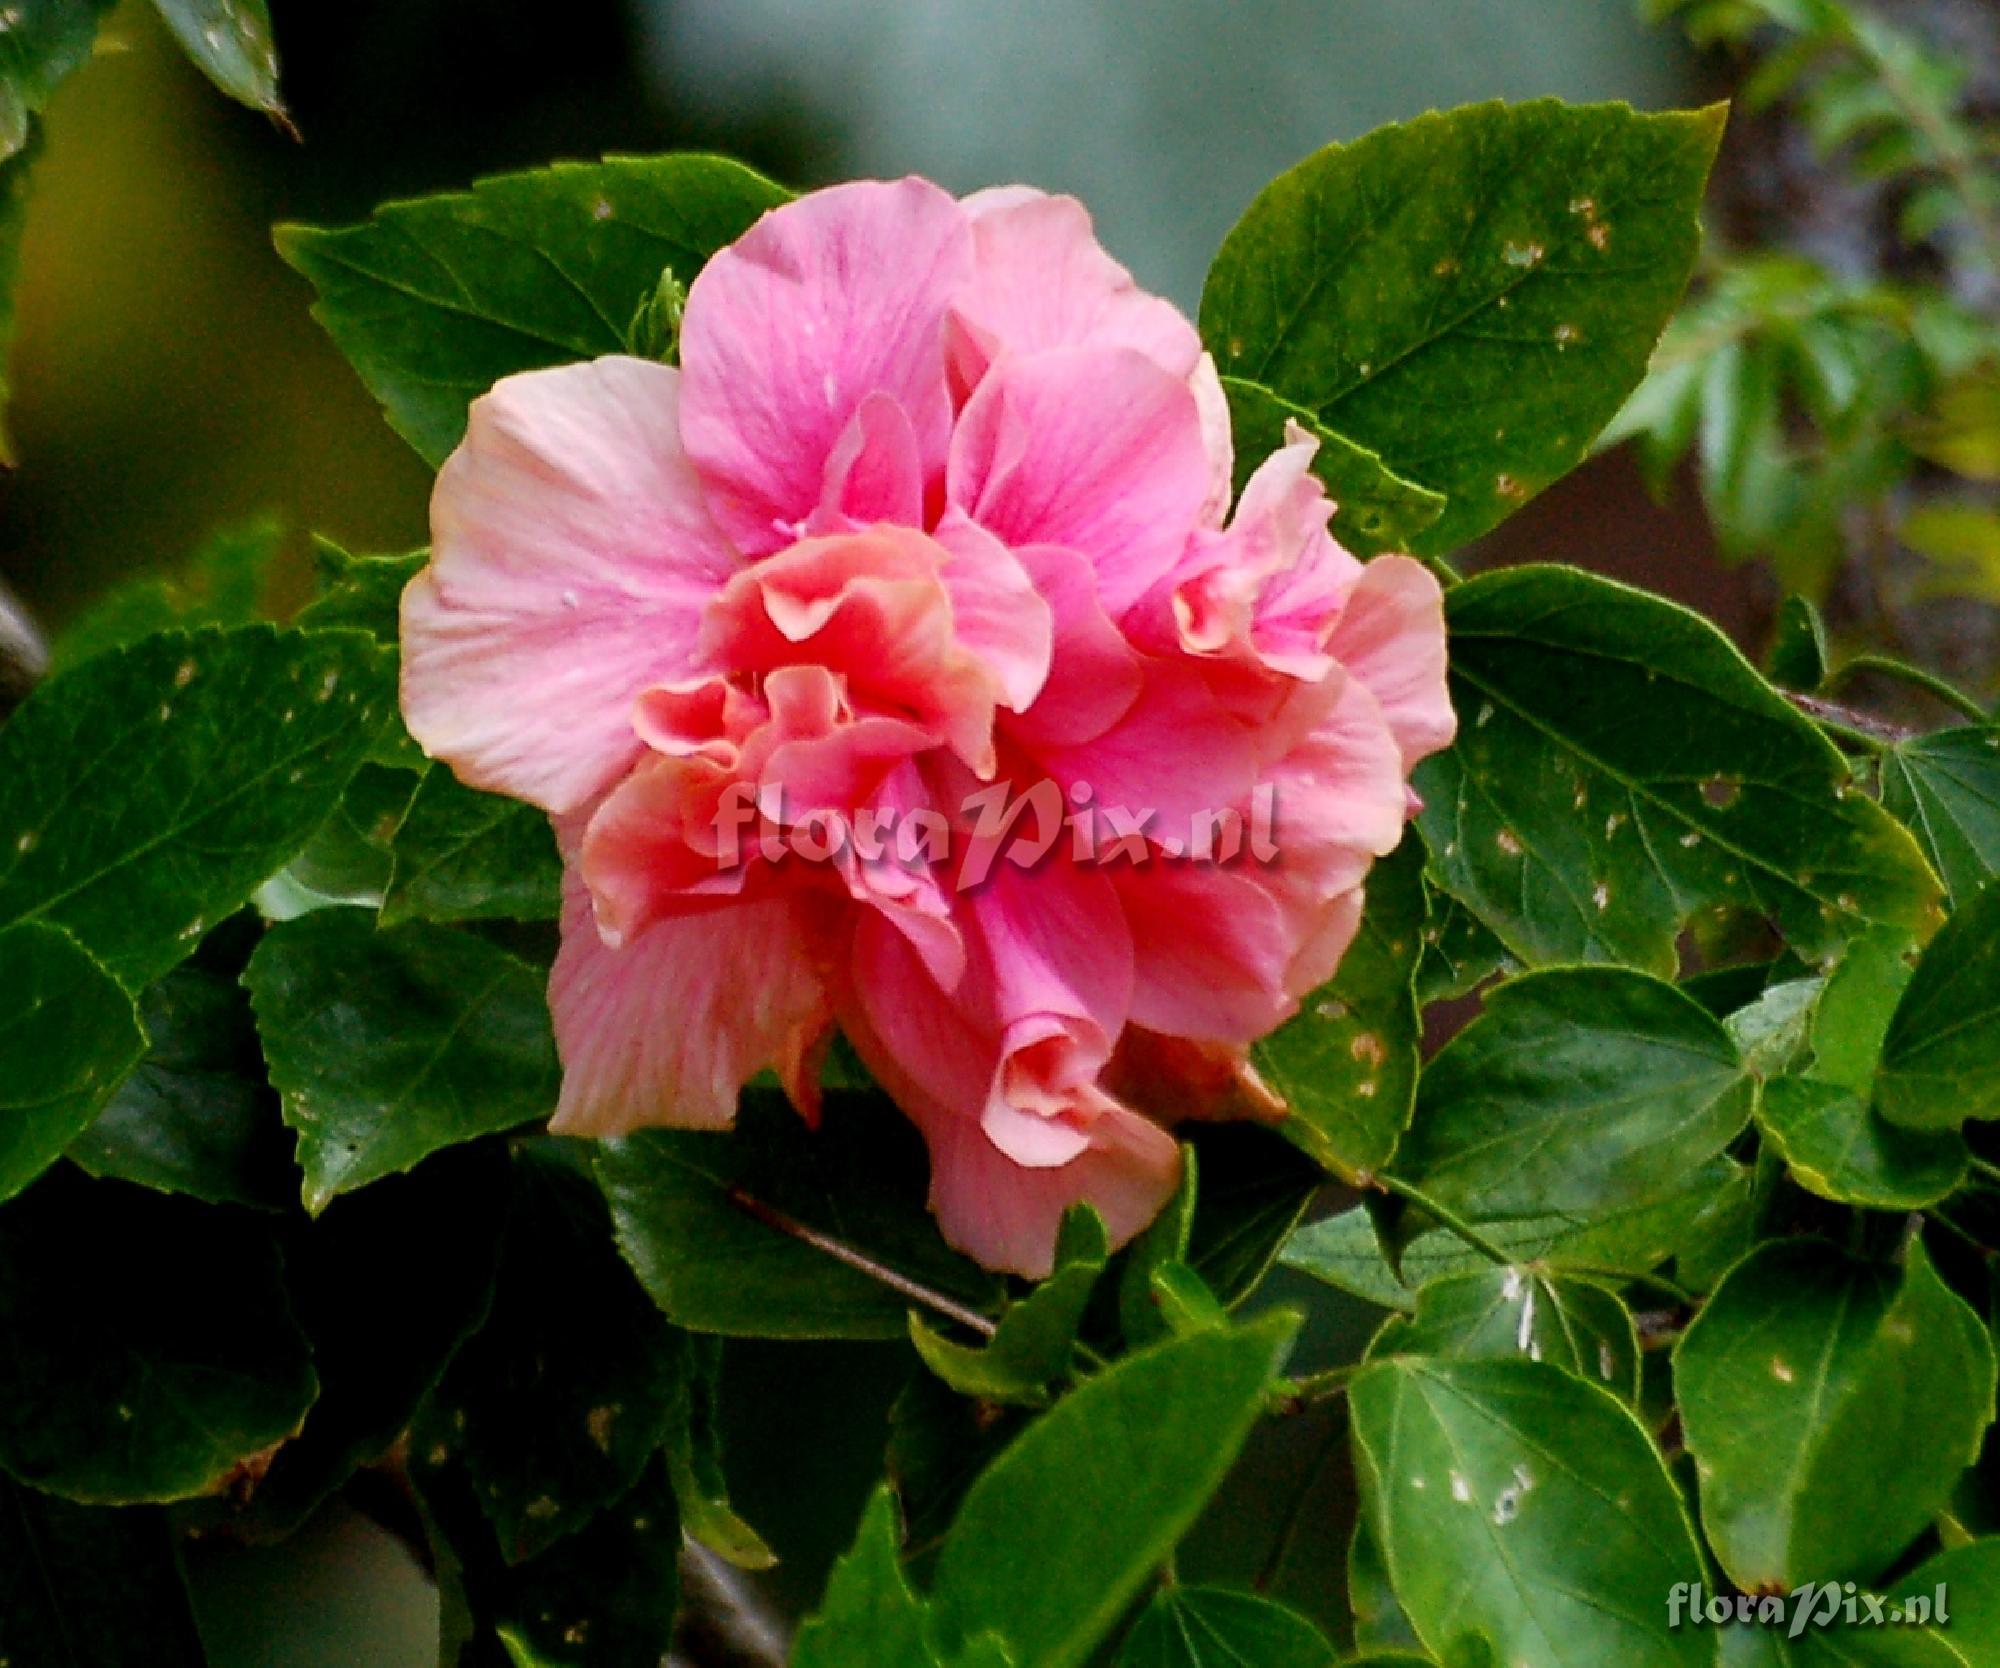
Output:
[[1470, 295], [230, 42], [1946, 787], [555, 1404], [1837, 1145], [460, 855], [1799, 651], [216, 755], [1063, 1529], [1343, 1251], [1379, 1622], [1580, 1090], [68, 1036], [387, 1045], [1970, 1577], [435, 300], [47, 41], [693, 1450], [1346, 1063], [387, 1284], [150, 1350], [85, 1587], [197, 1116], [1460, 951], [361, 592], [1498, 1314], [1941, 1057], [1620, 766], [1212, 1627], [1255, 1187], [1823, 1122], [869, 1616], [1163, 1242], [1036, 1335], [221, 585], [1524, 1515], [715, 1264], [1375, 509], [939, 1443], [1830, 1405], [604, 1597]]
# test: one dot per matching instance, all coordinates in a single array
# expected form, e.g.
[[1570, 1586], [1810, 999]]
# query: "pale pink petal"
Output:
[[667, 1030], [1094, 673], [571, 557], [1391, 637], [996, 610], [1040, 279], [1216, 439], [1098, 449], [825, 301], [874, 473]]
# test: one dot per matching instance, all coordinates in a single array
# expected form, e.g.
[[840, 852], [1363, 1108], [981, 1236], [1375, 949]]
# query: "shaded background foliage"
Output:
[[168, 380]]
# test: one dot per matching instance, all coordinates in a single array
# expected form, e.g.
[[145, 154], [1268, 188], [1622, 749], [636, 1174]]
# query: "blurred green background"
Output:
[[168, 380]]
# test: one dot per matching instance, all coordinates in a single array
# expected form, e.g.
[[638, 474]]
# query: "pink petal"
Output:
[[1094, 673], [1391, 637], [1211, 949], [824, 302], [666, 1031], [996, 610], [1040, 279], [571, 557], [1007, 1216], [874, 473], [1098, 449]]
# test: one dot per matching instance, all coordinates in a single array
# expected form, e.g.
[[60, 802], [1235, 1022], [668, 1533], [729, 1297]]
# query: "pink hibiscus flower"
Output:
[[932, 519]]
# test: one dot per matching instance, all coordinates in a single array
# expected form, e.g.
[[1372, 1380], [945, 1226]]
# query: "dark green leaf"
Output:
[[1212, 1627], [68, 1037], [555, 1404], [869, 1617], [87, 1587], [361, 592], [1947, 788], [1375, 509], [1036, 1336], [1620, 766], [1524, 1515], [1941, 1057], [1470, 295], [939, 1443], [230, 40], [1379, 1622], [1255, 1187], [387, 1284], [1830, 1405], [1580, 1090], [1837, 1145], [1064, 1528], [1799, 654], [1970, 1579], [211, 757], [47, 40], [197, 1116], [1498, 1314], [460, 855], [149, 1351], [387, 1045], [714, 1266], [1162, 1242], [1344, 1251], [1460, 951], [222, 585], [604, 1597], [693, 1449], [1346, 1064], [14, 176], [435, 300]]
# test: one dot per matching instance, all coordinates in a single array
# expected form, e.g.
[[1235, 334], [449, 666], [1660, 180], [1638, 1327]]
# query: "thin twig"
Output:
[[1445, 1219], [841, 1252], [1862, 727]]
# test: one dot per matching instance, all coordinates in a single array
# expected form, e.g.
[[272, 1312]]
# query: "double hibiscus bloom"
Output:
[[937, 503]]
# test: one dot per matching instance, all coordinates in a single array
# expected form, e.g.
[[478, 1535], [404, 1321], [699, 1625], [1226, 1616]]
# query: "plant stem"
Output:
[[1917, 678], [1860, 727], [842, 1252], [1985, 1168], [1445, 1219], [1634, 1277]]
